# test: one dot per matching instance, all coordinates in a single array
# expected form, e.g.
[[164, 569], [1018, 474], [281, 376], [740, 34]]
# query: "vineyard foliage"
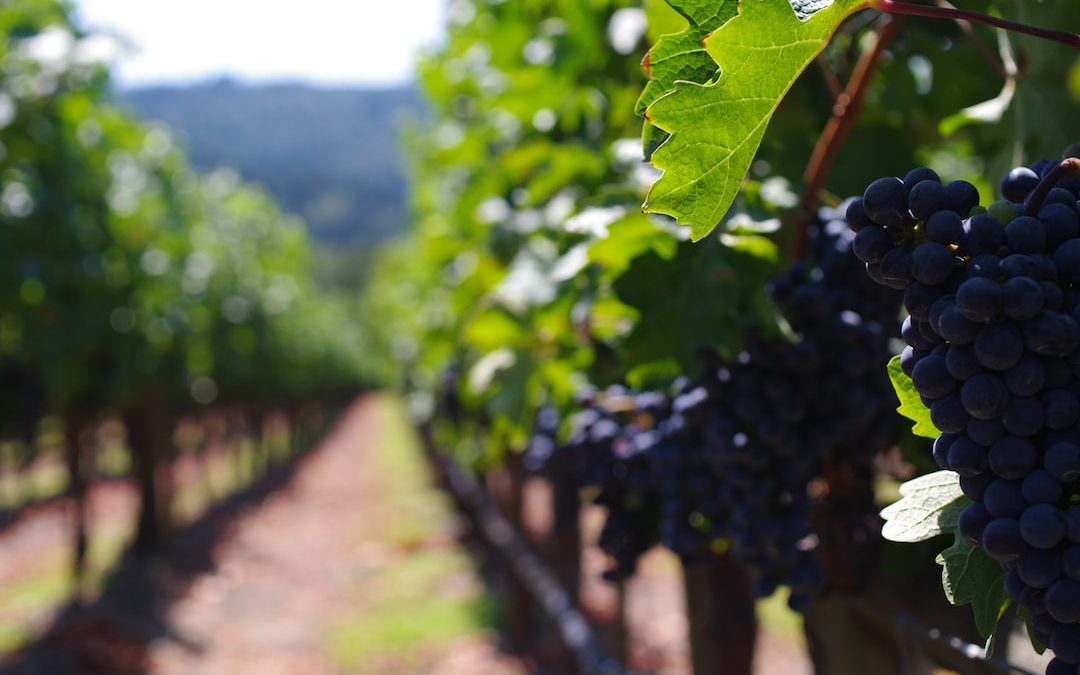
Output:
[[126, 275], [532, 270]]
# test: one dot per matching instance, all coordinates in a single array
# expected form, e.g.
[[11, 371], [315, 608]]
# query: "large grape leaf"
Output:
[[717, 127], [969, 576], [928, 506], [911, 406]]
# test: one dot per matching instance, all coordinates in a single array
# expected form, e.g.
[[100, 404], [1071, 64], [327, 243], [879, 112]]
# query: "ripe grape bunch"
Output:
[[732, 454], [788, 412], [607, 452], [993, 297]]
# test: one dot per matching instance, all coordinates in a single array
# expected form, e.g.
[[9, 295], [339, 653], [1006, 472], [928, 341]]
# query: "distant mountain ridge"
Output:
[[330, 156]]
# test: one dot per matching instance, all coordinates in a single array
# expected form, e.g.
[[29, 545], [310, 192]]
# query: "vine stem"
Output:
[[910, 8], [1069, 165], [845, 111]]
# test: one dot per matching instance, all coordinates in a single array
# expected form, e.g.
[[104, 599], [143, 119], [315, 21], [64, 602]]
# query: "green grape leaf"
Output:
[[928, 506], [717, 127], [911, 406], [682, 56], [969, 576], [1025, 616]]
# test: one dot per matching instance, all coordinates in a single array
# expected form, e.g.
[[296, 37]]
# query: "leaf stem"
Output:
[[913, 9], [1069, 165], [845, 112]]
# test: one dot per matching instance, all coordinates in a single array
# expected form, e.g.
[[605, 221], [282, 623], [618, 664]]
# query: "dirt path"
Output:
[[297, 578], [349, 565]]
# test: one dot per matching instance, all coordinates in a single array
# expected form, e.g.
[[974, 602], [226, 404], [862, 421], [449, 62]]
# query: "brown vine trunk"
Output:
[[520, 603], [77, 424], [149, 436], [566, 503], [721, 613]]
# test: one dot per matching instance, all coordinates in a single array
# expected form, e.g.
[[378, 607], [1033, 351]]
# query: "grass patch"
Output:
[[416, 511], [13, 637], [42, 590], [778, 619], [403, 633]]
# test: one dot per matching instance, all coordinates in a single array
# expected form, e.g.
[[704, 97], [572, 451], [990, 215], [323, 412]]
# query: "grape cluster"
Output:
[[993, 298], [789, 412], [732, 455]]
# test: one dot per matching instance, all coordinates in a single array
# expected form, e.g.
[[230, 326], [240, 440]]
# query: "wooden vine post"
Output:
[[78, 426], [149, 437], [721, 615]]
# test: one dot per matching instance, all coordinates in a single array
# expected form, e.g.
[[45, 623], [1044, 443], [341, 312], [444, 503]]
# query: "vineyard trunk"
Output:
[[720, 610]]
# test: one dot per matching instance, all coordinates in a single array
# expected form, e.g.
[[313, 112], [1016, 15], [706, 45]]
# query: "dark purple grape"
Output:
[[926, 198], [855, 215], [909, 357], [1072, 523], [984, 396], [982, 234], [948, 414], [1067, 260], [961, 361], [1063, 600], [986, 265], [974, 487], [1038, 568], [1025, 235], [941, 448], [932, 263], [1051, 334], [917, 300], [931, 378], [1042, 526], [1021, 298], [1060, 667], [1002, 541], [1065, 641], [1070, 562], [885, 202], [979, 299], [1060, 222], [1013, 457], [1004, 499], [954, 327], [1039, 487], [1062, 460], [1026, 378], [916, 338], [966, 457], [871, 243], [985, 432], [962, 197], [973, 521], [1023, 416], [918, 175], [999, 346], [1061, 407], [897, 267], [1017, 183]]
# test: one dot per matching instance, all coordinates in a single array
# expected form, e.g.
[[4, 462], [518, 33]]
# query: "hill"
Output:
[[330, 156]]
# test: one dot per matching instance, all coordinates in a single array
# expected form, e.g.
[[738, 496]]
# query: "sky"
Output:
[[329, 42]]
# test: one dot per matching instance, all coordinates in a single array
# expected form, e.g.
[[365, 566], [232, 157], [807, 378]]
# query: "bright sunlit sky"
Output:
[[331, 42]]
